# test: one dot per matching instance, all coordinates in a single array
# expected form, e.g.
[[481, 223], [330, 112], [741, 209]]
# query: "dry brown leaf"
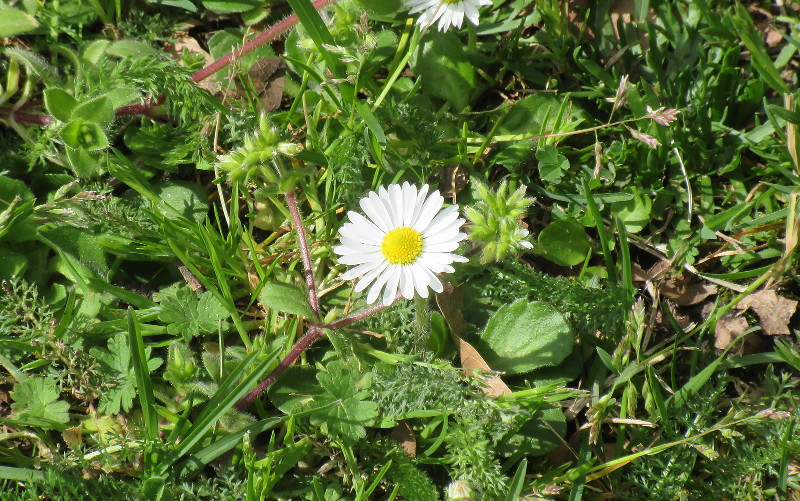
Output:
[[728, 328], [773, 310], [450, 302], [404, 435], [686, 295]]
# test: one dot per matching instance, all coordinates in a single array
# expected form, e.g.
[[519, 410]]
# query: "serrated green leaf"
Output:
[[59, 103], [117, 362], [189, 316], [36, 403], [352, 411], [524, 336], [286, 298]]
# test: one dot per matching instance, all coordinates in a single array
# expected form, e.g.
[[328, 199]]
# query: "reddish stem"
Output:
[[31, 118], [314, 332], [269, 35], [301, 239]]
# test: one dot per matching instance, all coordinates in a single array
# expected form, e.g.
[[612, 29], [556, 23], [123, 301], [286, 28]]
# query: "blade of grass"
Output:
[[144, 386], [313, 24], [228, 393], [605, 239]]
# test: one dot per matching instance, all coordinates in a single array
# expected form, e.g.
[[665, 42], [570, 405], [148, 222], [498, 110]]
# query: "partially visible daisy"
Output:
[[402, 243], [448, 12]]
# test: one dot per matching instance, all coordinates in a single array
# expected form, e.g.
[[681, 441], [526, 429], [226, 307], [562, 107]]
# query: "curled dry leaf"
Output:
[[773, 311], [450, 302], [728, 328], [404, 435]]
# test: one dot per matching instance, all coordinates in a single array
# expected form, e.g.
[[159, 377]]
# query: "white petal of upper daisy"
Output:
[[409, 196], [359, 258], [526, 244], [380, 281], [433, 281], [375, 211], [396, 199], [391, 286], [445, 218], [421, 279], [450, 233], [423, 192], [407, 283], [358, 245], [471, 12], [428, 211], [361, 269], [370, 276]]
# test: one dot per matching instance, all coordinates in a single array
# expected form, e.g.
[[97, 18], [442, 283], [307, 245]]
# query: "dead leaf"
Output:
[[404, 435], [773, 310], [450, 301], [728, 328], [686, 295], [73, 437]]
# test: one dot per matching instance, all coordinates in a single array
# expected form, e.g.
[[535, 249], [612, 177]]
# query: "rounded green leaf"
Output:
[[59, 103], [14, 22], [286, 298], [524, 336], [564, 242], [445, 70], [635, 213], [83, 135]]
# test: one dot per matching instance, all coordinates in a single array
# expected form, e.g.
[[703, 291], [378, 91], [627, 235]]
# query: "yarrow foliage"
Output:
[[405, 239], [446, 12]]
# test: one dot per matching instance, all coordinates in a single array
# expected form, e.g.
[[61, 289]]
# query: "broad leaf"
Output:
[[524, 336], [286, 298], [564, 242], [444, 69]]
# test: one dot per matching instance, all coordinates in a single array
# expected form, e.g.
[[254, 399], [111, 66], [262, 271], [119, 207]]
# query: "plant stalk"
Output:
[[306, 255]]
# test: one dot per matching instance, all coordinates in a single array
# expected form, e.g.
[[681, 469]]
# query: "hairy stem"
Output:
[[314, 332], [267, 36], [301, 239]]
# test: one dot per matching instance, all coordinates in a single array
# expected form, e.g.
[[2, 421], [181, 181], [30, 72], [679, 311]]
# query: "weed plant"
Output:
[[185, 189]]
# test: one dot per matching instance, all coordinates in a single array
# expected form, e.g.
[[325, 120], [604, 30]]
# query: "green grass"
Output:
[[636, 171]]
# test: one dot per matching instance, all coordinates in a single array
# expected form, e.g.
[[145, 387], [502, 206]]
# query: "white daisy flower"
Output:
[[402, 243], [448, 12]]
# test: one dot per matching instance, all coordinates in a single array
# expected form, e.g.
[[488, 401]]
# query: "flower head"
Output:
[[447, 12], [404, 240]]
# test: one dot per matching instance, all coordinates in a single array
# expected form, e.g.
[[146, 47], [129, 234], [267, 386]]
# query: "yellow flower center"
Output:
[[402, 245]]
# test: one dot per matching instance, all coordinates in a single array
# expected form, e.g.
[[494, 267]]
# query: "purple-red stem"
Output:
[[314, 332], [261, 39], [142, 108], [301, 239]]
